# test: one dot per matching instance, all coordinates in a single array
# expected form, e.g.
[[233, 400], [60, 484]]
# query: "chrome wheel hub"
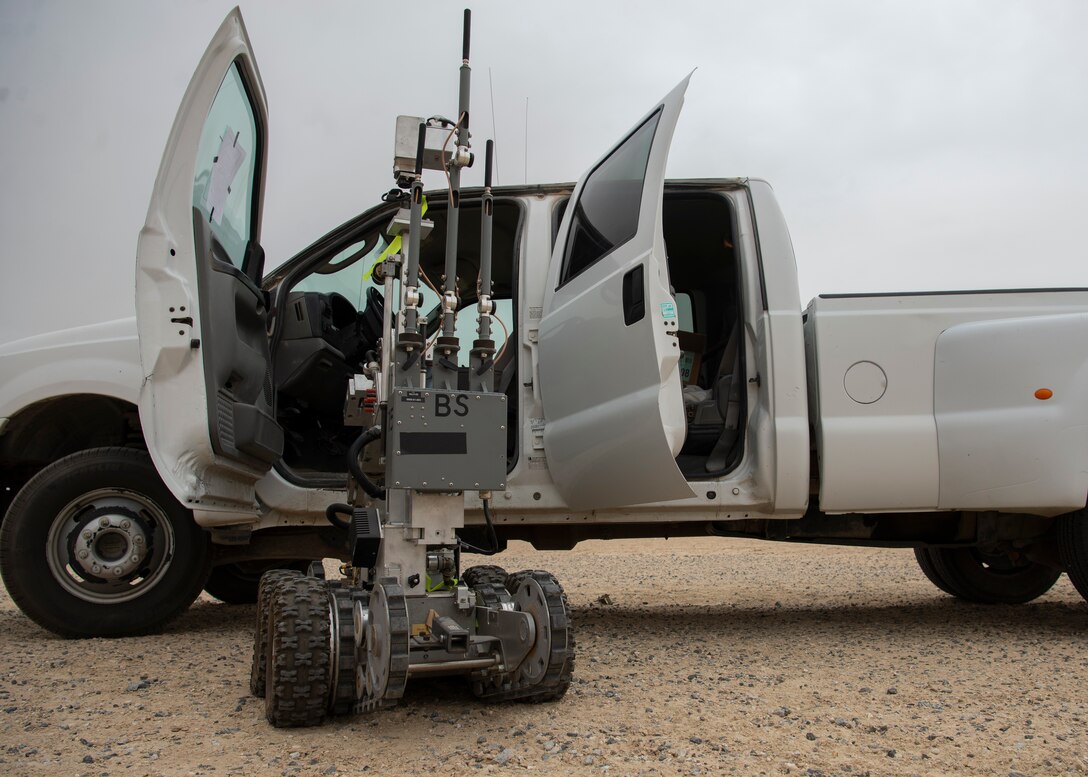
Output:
[[110, 545]]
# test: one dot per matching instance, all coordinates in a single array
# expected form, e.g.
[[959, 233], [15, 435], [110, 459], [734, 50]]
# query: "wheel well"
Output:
[[48, 430]]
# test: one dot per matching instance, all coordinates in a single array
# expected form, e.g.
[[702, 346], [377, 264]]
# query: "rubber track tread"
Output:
[[484, 573], [299, 667], [259, 665], [557, 676], [1073, 546]]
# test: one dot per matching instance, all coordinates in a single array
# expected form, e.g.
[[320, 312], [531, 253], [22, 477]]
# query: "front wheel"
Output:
[[95, 545], [987, 577]]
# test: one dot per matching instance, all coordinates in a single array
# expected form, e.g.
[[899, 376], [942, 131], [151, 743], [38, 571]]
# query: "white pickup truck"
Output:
[[662, 377]]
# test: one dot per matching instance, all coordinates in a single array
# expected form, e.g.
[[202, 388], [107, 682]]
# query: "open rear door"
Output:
[[207, 401], [608, 355]]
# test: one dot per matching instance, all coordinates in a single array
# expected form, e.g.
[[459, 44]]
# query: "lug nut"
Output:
[[103, 522], [83, 554], [96, 569], [87, 535], [125, 524], [135, 559], [138, 540], [117, 572]]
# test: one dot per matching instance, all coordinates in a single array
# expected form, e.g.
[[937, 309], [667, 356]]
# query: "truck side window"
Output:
[[224, 183], [607, 212]]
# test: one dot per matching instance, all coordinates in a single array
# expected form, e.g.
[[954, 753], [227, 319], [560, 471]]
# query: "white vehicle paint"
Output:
[[169, 301]]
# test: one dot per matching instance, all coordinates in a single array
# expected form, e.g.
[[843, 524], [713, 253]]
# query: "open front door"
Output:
[[207, 401], [608, 355]]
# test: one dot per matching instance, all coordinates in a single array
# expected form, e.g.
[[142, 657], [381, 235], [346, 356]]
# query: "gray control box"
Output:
[[442, 440]]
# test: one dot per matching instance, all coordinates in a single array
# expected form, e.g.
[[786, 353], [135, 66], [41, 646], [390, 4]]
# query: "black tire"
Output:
[[299, 674], [929, 569], [66, 541], [1073, 547], [991, 578], [270, 581], [238, 583], [484, 573]]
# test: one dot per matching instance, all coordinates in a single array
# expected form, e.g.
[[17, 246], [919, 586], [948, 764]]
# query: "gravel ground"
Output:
[[695, 656]]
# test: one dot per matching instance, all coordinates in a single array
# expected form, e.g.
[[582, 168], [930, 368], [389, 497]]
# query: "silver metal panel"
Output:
[[441, 440]]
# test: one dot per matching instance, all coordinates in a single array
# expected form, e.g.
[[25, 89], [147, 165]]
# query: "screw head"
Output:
[[117, 572], [103, 522], [87, 535], [125, 524], [83, 554], [138, 540]]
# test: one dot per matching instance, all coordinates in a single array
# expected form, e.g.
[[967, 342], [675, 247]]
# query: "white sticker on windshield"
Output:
[[224, 167]]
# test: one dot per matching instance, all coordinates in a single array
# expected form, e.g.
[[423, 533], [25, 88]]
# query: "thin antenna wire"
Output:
[[526, 172], [494, 129]]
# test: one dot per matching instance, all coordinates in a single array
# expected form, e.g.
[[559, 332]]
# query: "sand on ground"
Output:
[[695, 656]]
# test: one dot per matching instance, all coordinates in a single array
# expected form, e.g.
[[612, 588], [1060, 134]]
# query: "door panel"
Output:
[[207, 403], [609, 356]]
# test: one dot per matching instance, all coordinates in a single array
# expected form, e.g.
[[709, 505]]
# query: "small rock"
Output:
[[88, 759], [588, 760], [810, 737], [481, 739], [696, 740], [604, 599], [504, 756], [892, 691], [891, 754]]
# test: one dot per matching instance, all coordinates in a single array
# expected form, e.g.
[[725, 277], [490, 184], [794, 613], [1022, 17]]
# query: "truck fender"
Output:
[[1011, 414]]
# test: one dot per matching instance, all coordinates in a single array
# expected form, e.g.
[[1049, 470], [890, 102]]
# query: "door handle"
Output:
[[634, 295]]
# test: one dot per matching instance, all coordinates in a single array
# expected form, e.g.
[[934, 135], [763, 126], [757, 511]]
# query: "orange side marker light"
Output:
[[1043, 393]]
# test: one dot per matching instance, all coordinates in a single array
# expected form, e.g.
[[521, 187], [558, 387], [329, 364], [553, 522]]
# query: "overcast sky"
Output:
[[912, 145]]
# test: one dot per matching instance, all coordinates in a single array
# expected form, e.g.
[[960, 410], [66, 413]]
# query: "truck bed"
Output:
[[927, 401]]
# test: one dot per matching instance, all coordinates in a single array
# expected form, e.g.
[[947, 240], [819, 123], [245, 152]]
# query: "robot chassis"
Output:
[[404, 609]]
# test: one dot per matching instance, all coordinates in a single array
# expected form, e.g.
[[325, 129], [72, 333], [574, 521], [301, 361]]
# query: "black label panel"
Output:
[[433, 443]]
